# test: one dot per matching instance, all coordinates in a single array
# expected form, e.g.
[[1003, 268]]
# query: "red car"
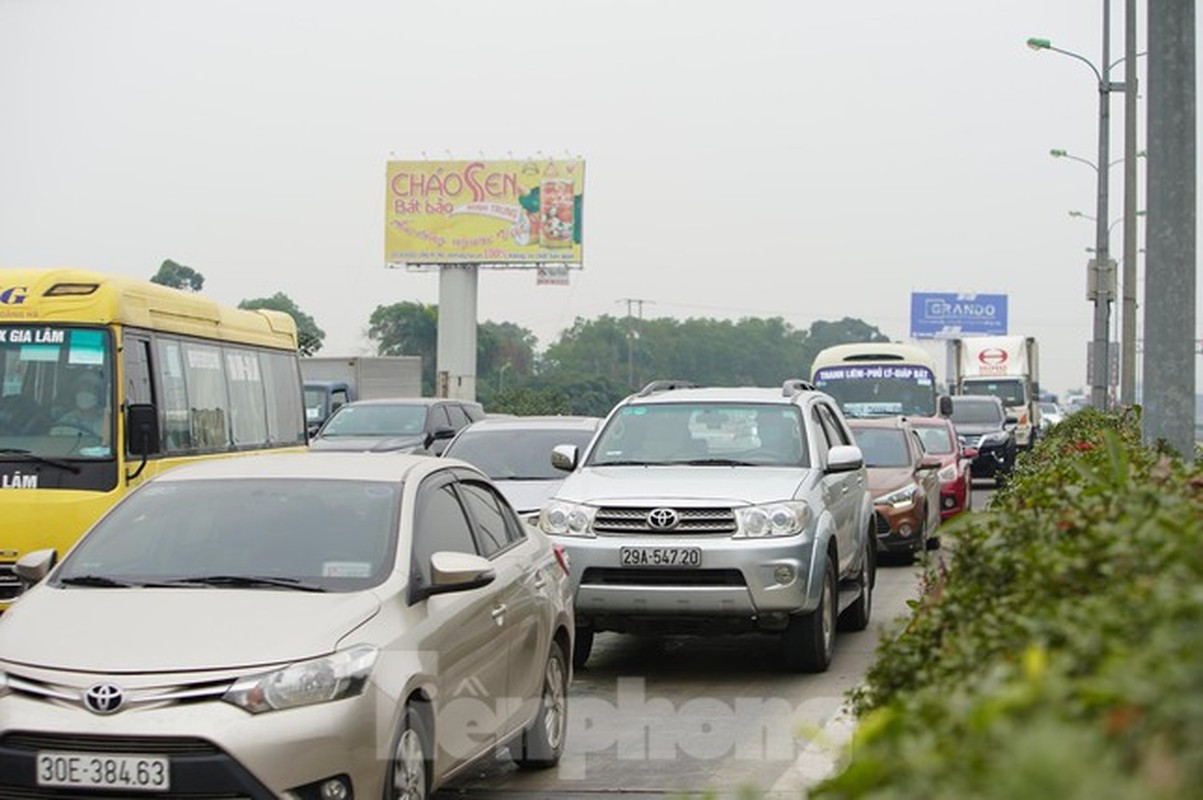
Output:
[[956, 484]]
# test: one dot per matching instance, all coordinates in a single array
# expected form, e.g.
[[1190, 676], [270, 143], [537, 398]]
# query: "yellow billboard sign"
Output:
[[484, 212]]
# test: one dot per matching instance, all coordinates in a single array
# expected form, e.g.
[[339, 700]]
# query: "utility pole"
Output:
[[631, 333], [1127, 367], [1101, 378], [1170, 280]]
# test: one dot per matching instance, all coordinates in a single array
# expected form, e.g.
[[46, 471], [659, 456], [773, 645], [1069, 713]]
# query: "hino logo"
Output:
[[103, 698], [992, 356], [662, 519]]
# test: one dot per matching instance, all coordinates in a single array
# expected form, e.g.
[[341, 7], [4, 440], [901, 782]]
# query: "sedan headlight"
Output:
[[947, 473], [567, 519], [306, 683], [899, 498], [773, 519]]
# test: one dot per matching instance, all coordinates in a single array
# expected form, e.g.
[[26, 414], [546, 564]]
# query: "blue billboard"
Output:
[[945, 315]]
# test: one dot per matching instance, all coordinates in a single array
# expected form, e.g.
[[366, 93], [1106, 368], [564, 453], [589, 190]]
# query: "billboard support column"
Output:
[[457, 330]]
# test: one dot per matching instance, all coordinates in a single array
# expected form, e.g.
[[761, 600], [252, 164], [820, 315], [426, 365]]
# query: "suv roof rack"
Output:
[[794, 385], [665, 386]]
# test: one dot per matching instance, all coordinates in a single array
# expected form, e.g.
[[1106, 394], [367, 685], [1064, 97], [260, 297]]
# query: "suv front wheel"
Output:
[[809, 640]]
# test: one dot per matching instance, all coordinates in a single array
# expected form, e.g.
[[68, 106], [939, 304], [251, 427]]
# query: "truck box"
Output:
[[1007, 367], [332, 380]]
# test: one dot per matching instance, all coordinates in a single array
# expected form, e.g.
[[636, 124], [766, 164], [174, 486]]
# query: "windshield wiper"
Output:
[[28, 456], [627, 463], [719, 462], [244, 581], [100, 581]]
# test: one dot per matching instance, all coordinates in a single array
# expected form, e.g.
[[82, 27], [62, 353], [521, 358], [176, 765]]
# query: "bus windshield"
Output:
[[56, 391], [873, 390]]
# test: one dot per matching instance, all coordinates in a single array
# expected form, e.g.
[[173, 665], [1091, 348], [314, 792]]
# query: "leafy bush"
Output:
[[1060, 652]]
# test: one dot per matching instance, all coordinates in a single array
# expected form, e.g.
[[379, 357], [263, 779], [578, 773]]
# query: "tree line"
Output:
[[594, 363]]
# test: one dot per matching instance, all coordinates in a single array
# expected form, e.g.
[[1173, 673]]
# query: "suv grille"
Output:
[[691, 521]]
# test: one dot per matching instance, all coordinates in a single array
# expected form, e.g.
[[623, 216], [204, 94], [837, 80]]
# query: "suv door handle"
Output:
[[499, 614]]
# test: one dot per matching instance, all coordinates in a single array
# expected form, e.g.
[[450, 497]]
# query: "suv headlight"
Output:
[[899, 498], [306, 683], [947, 473], [772, 519], [567, 519], [999, 437]]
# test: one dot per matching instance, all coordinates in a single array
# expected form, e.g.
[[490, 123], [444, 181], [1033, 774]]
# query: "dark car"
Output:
[[422, 425], [902, 481], [516, 453], [982, 424]]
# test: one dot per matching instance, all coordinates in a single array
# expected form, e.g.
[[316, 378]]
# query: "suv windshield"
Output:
[[720, 433], [377, 420], [976, 413]]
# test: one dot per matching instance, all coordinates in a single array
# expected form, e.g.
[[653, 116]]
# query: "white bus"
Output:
[[880, 379]]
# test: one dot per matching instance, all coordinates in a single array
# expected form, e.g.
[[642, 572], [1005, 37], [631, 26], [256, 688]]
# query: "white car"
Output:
[[719, 510], [309, 625]]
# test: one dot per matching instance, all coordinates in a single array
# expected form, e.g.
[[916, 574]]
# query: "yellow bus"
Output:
[[106, 381], [880, 379]]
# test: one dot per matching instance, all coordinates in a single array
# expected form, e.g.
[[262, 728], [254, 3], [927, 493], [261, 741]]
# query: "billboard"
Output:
[[484, 212], [943, 315]]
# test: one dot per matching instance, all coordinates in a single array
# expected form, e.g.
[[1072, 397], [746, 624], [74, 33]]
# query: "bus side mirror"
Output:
[[945, 406], [142, 429]]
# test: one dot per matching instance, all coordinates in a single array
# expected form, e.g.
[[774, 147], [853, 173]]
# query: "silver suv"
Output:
[[719, 510]]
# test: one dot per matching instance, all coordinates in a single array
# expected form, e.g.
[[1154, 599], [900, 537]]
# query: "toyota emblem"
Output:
[[104, 698], [662, 519]]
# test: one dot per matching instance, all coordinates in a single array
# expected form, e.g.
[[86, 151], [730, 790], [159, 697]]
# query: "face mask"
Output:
[[85, 401]]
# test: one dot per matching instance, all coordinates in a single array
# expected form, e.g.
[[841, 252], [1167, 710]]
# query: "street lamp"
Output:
[[1101, 295]]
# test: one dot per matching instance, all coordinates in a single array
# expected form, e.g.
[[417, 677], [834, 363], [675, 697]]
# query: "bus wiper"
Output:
[[100, 581], [50, 462], [245, 581]]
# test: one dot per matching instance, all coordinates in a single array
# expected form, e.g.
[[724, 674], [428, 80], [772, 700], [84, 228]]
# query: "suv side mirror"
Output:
[[564, 457], [845, 458]]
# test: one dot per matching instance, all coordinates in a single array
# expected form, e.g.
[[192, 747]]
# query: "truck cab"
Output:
[[323, 398]]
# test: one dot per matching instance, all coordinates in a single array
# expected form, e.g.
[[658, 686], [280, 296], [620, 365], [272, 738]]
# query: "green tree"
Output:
[[177, 276], [408, 329], [505, 356], [309, 335], [846, 331]]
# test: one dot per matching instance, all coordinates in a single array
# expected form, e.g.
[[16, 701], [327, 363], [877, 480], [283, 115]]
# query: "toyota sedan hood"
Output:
[[710, 485], [368, 444], [175, 630]]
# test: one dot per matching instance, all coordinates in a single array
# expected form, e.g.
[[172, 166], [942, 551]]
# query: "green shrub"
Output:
[[1059, 653]]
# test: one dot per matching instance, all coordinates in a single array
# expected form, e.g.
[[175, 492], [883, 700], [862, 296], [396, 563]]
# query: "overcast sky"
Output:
[[758, 158]]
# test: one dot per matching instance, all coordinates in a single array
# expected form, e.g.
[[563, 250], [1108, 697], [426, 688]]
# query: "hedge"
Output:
[[1058, 650]]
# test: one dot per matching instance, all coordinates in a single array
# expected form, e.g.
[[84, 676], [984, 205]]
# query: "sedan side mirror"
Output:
[[457, 572], [928, 463]]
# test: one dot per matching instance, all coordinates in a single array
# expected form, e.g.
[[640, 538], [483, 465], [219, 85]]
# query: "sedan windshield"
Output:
[[516, 454], [883, 447], [265, 534]]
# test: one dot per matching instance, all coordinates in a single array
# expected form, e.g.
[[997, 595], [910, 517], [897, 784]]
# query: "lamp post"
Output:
[[1102, 264]]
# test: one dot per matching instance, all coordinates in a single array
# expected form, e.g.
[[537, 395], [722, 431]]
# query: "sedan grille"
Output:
[[690, 521], [167, 746]]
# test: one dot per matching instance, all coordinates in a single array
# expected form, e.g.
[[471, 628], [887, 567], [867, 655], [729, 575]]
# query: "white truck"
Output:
[[331, 381], [1007, 367]]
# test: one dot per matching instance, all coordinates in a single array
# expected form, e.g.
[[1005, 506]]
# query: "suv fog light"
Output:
[[905, 529], [949, 502], [784, 574], [335, 789]]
